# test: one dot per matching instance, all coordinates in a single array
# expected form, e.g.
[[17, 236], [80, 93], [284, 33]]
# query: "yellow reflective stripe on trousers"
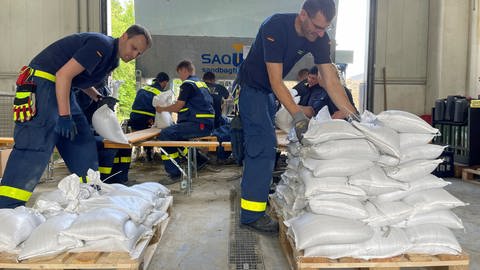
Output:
[[125, 159], [183, 110], [105, 170], [116, 160], [44, 75], [15, 193], [253, 206], [205, 115], [167, 157], [143, 112], [84, 179]]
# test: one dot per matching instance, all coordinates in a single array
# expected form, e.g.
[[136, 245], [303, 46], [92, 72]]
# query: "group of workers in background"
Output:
[[47, 114]]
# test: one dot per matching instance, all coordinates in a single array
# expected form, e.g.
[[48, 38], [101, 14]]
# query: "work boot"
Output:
[[265, 225], [171, 179]]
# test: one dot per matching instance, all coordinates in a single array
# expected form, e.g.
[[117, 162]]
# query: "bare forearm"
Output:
[[62, 91], [92, 93], [335, 89]]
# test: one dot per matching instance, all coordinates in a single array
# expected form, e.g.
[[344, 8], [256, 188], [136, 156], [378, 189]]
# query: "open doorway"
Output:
[[351, 37]]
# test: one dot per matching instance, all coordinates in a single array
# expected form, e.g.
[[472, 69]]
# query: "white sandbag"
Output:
[[312, 230], [163, 119], [17, 225], [386, 139], [343, 149], [157, 189], [431, 200], [338, 195], [387, 161], [162, 204], [421, 152], [428, 182], [130, 191], [286, 193], [134, 233], [323, 131], [294, 148], [293, 163], [46, 240], [283, 119], [432, 239], [106, 125], [444, 218], [337, 167], [136, 207], [154, 218], [344, 208], [402, 121], [387, 213], [98, 224], [408, 140], [413, 170], [374, 182], [50, 203], [317, 185], [385, 243]]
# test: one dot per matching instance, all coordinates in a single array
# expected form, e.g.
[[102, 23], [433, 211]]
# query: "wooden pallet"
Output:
[[470, 175], [458, 169], [95, 260], [299, 262]]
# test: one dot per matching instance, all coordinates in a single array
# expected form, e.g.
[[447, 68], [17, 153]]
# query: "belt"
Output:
[[42, 74]]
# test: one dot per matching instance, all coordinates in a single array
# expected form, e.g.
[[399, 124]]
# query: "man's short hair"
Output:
[[161, 77], [185, 64], [208, 76], [136, 30], [302, 74], [326, 7], [313, 70]]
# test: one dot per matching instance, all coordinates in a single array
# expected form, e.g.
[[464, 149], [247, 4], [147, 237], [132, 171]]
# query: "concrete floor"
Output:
[[198, 234]]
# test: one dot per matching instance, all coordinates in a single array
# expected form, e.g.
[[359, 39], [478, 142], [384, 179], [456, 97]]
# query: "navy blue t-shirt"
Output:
[[96, 52], [278, 42]]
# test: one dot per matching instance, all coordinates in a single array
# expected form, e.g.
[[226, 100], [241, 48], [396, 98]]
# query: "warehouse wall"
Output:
[[425, 49], [29, 26]]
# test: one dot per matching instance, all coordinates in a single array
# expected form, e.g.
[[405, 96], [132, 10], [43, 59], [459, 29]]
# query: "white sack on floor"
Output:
[[374, 182], [323, 131], [50, 203], [431, 200], [312, 230], [432, 239], [413, 170], [408, 140], [98, 224], [385, 243], [387, 161], [317, 185], [17, 225], [421, 152], [154, 218], [163, 119], [343, 149], [343, 208], [428, 182], [106, 124], [130, 191], [445, 218], [337, 167], [283, 119], [157, 189], [46, 240], [387, 213], [402, 121]]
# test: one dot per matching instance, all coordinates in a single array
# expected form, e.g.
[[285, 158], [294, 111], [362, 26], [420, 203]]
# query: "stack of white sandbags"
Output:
[[80, 217], [373, 180]]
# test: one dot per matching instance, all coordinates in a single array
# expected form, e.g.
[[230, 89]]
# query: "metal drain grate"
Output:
[[243, 250]]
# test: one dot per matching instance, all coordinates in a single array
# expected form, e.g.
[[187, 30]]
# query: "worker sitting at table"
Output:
[[195, 119]]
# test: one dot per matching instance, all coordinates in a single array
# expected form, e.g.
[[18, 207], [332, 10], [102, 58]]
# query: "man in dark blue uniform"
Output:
[[282, 40], [316, 97], [195, 118], [47, 114], [143, 112]]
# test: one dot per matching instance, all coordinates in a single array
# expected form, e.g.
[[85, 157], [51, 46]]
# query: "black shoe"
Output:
[[201, 165], [265, 225], [169, 180]]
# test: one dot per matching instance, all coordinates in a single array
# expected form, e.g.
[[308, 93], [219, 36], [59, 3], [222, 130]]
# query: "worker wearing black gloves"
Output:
[[282, 40], [77, 61]]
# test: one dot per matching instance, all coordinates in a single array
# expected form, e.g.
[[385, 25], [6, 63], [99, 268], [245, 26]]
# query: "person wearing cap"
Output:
[[47, 114], [142, 115]]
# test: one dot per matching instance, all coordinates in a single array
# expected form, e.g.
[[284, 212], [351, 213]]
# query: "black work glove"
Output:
[[110, 101], [300, 122], [66, 127]]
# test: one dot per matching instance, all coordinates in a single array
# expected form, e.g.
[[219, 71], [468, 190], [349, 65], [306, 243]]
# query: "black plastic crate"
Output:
[[446, 168]]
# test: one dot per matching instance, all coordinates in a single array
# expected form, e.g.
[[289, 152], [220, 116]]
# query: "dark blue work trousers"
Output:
[[257, 113]]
